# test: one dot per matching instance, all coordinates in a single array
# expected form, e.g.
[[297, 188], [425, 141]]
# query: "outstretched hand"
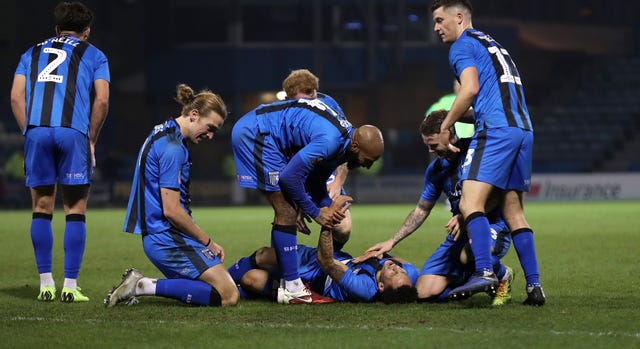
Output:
[[376, 251]]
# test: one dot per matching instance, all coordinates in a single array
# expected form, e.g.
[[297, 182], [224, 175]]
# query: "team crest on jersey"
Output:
[[274, 177], [208, 253]]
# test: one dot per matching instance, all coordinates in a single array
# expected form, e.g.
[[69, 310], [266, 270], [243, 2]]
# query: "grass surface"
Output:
[[588, 256]]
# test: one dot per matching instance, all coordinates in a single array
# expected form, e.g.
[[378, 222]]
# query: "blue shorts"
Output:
[[258, 159], [501, 157], [445, 260], [177, 255], [56, 154]]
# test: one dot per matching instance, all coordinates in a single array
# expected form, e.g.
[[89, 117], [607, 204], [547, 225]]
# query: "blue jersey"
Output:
[[442, 176], [500, 101], [163, 162], [359, 283], [276, 146], [329, 101], [60, 73]]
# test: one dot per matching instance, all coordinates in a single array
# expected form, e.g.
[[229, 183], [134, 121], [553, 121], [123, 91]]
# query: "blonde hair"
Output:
[[300, 81], [204, 102]]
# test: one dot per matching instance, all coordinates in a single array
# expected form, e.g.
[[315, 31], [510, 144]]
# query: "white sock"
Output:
[[294, 285], [71, 283], [146, 287], [46, 279]]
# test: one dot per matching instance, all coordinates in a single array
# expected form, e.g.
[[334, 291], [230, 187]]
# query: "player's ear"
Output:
[[193, 115], [380, 286], [86, 33]]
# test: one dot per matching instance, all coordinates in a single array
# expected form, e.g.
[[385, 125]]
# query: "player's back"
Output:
[[60, 72], [296, 123], [500, 101]]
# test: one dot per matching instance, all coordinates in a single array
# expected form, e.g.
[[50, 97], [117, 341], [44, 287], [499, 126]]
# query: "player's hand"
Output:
[[455, 227], [217, 250], [301, 222], [445, 140], [333, 215], [376, 251]]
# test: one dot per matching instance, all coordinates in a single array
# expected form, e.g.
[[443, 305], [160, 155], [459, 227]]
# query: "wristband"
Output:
[[208, 242]]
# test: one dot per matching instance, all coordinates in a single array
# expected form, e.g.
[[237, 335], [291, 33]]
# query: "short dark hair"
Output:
[[432, 122], [402, 294], [73, 16], [449, 3]]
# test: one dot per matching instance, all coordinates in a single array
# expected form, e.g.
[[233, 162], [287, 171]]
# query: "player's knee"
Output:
[[254, 280], [265, 258], [230, 297]]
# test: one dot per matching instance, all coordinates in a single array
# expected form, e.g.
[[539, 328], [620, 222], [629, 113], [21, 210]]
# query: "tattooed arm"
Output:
[[413, 221], [334, 268]]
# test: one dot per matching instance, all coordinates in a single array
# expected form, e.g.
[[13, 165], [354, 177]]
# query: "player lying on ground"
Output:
[[445, 268], [330, 272]]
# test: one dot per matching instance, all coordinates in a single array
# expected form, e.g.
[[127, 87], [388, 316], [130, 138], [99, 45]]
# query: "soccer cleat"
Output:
[[47, 293], [305, 296], [487, 282], [317, 298], [535, 296], [72, 296], [503, 295], [125, 292]]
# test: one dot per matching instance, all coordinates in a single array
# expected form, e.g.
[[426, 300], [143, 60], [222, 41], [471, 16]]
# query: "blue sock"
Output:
[[241, 267], [526, 250], [480, 240], [498, 267], [285, 242], [75, 235], [42, 240], [188, 291]]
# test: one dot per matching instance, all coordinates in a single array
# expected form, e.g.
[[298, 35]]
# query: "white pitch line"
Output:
[[610, 333]]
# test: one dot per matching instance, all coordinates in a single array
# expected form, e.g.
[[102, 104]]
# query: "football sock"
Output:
[[526, 250], [480, 240], [46, 279], [241, 267], [42, 240], [75, 234], [71, 283], [284, 240], [189, 291]]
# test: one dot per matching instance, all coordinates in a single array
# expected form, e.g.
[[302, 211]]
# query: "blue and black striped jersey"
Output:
[[60, 72], [500, 101], [163, 162]]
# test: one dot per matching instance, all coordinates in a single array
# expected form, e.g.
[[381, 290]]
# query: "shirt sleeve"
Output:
[[102, 67], [292, 179], [360, 286], [23, 65], [172, 157], [433, 183], [461, 56], [295, 173]]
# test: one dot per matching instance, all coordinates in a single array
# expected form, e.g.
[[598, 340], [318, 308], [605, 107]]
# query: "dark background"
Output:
[[579, 61]]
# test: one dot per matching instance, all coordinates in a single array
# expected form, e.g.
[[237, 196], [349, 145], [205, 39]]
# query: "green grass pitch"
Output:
[[588, 256]]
